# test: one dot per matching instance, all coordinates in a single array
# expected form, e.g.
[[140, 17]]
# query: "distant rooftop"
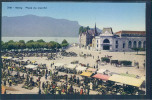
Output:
[[131, 32], [125, 33]]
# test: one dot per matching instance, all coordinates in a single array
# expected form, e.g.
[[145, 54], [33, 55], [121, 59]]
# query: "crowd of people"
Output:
[[15, 72]]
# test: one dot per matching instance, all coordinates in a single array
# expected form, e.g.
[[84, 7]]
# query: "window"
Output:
[[129, 44], [134, 44], [116, 42], [116, 46], [97, 41], [139, 44], [144, 44], [106, 41], [123, 45], [97, 45]]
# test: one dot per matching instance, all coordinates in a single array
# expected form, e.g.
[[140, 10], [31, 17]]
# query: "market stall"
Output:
[[101, 76], [31, 66], [101, 71], [80, 69], [126, 80], [91, 70], [88, 74]]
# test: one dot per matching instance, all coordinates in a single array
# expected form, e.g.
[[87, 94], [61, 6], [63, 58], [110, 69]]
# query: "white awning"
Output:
[[24, 60], [80, 68], [59, 64], [70, 66], [9, 57], [31, 66], [100, 71], [15, 59]]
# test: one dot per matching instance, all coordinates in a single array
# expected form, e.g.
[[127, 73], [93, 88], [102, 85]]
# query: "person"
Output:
[[144, 65], [71, 78], [4, 82], [39, 91], [91, 86], [45, 76], [81, 91], [78, 80], [23, 76], [135, 63], [88, 91], [10, 82], [49, 72], [43, 85]]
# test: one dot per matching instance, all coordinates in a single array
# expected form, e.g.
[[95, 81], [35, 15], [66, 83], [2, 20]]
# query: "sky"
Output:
[[119, 16]]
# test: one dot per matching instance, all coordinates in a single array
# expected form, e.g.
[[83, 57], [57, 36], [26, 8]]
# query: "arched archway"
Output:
[[129, 44], [139, 44], [134, 44], [144, 44], [106, 41], [106, 46]]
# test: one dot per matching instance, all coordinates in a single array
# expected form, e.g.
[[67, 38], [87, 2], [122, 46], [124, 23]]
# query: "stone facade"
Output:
[[85, 38], [122, 42]]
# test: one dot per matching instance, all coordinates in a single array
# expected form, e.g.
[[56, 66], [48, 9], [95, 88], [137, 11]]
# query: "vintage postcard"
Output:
[[79, 48]]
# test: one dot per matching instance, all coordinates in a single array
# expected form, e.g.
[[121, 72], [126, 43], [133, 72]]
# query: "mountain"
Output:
[[36, 26]]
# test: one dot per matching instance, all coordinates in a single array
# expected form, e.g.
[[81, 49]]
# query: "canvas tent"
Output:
[[126, 80], [100, 71], [31, 66], [88, 74], [15, 59], [91, 69], [80, 68], [70, 66], [59, 64], [102, 77]]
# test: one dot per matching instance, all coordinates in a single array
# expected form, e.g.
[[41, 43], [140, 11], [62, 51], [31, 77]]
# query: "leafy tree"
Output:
[[11, 46], [58, 46], [64, 43], [11, 41], [21, 41], [136, 49], [41, 40], [81, 29], [22, 44], [30, 41], [29, 45], [3, 45]]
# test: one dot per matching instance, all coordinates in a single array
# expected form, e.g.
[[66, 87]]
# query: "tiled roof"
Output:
[[92, 31], [131, 32]]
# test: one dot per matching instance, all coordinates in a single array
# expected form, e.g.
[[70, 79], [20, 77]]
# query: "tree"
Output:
[[136, 49], [81, 29], [21, 41], [29, 45], [22, 44], [3, 46], [41, 40], [64, 43], [30, 41]]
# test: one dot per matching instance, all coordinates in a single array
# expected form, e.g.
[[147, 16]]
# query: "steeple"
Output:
[[95, 30]]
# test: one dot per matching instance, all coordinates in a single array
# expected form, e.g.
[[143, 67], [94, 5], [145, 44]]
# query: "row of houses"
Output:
[[107, 40]]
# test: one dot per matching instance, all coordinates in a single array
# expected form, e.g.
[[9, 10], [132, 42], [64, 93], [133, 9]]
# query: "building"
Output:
[[119, 41], [85, 38]]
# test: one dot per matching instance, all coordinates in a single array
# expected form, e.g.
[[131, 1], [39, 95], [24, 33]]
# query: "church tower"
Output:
[[96, 33]]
